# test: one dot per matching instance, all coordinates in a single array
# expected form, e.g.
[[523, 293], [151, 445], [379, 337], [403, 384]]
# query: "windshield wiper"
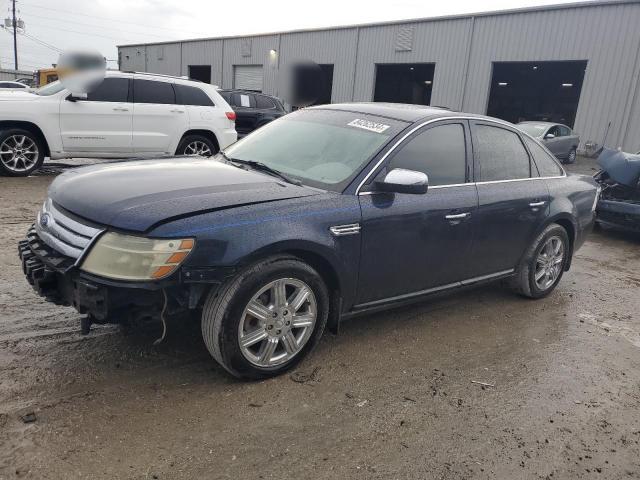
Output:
[[262, 167]]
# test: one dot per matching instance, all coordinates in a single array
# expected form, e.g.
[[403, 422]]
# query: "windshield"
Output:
[[50, 89], [533, 129], [321, 148]]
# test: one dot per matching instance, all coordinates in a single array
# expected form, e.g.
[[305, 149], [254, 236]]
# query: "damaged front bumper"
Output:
[[57, 278], [619, 214]]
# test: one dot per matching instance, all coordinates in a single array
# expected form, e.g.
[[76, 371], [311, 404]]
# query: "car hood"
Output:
[[139, 195]]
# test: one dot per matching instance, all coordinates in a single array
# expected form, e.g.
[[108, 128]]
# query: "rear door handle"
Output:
[[537, 204], [176, 111], [120, 109], [457, 216]]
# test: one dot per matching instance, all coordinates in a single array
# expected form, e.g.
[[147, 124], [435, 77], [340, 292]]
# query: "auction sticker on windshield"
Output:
[[368, 125]]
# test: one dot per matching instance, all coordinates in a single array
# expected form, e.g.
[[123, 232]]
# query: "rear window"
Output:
[[501, 154], [186, 95], [547, 166], [149, 91]]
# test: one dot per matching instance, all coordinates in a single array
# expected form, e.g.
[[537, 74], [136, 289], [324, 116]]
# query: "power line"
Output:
[[107, 18], [92, 25], [41, 42], [89, 34]]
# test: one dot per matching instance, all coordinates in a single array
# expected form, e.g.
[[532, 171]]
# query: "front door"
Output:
[[513, 200], [412, 244], [101, 123], [554, 144]]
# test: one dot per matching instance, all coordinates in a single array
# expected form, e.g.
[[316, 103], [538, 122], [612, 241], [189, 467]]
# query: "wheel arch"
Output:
[[29, 126], [320, 259], [205, 133], [567, 222]]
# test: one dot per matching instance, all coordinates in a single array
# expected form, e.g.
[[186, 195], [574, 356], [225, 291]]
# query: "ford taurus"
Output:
[[323, 214]]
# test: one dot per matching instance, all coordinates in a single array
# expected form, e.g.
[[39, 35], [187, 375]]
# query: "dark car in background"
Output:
[[323, 214], [558, 138], [253, 110]]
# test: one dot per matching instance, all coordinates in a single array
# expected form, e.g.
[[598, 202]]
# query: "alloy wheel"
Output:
[[277, 322], [549, 262], [18, 153], [198, 147]]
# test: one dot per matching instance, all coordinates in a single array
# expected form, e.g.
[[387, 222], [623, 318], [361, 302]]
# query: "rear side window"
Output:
[[440, 152], [226, 96], [500, 154], [545, 162], [110, 90], [264, 102], [186, 95], [149, 91], [241, 100]]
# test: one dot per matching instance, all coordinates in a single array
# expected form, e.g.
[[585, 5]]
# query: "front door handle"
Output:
[[176, 111], [120, 109], [457, 216], [537, 204]]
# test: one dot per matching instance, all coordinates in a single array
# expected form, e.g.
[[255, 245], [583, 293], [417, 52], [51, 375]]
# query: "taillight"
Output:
[[231, 116]]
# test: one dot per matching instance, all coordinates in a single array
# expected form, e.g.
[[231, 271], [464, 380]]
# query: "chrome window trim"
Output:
[[444, 119]]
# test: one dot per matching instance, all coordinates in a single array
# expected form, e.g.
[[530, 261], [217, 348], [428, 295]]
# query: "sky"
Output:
[[103, 24]]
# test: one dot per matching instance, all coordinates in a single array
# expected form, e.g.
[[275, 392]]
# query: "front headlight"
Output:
[[127, 257]]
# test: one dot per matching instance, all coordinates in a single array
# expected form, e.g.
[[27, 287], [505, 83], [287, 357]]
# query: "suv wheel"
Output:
[[265, 320], [197, 145], [21, 152], [543, 263]]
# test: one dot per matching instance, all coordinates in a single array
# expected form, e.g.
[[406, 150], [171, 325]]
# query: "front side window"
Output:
[[110, 90], [151, 91], [547, 166], [440, 152], [321, 148], [564, 131], [555, 131], [186, 95], [500, 154]]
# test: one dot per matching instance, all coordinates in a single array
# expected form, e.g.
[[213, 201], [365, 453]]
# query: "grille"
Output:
[[62, 233]]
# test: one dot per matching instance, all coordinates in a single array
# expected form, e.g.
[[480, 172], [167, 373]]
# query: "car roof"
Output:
[[400, 111], [239, 90], [535, 122]]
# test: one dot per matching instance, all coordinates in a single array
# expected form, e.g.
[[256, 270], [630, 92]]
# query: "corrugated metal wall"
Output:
[[7, 74], [463, 50]]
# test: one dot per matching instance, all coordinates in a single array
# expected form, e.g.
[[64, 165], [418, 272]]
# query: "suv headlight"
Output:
[[126, 257]]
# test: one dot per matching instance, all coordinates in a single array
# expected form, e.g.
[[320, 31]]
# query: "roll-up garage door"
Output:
[[247, 77]]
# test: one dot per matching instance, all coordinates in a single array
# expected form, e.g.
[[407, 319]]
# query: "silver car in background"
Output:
[[558, 138]]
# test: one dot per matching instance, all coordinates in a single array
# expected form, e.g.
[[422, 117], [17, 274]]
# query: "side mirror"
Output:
[[549, 136], [400, 180], [74, 97]]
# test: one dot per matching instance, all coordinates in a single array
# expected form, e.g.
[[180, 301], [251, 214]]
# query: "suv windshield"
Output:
[[50, 89], [533, 129], [321, 148]]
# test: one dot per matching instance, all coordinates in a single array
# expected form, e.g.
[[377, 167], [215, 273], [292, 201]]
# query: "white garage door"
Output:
[[247, 77]]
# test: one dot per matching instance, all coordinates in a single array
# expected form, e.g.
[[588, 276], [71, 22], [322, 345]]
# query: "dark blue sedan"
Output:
[[323, 214]]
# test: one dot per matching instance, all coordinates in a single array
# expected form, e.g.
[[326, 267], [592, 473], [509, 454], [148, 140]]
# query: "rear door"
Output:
[[158, 122], [414, 243], [101, 123], [513, 200]]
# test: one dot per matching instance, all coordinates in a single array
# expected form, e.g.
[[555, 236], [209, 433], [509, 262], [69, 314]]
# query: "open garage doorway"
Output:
[[200, 72], [404, 83], [326, 84], [545, 91]]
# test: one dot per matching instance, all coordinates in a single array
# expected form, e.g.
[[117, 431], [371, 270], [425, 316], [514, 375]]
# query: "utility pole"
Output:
[[15, 36]]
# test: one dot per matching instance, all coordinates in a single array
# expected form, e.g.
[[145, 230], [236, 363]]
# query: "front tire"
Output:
[[266, 319], [571, 157], [543, 264], [21, 153], [197, 145]]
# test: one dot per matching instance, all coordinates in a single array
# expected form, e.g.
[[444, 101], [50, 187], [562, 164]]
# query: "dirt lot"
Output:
[[390, 397]]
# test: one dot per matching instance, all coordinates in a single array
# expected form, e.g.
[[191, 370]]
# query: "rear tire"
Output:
[[197, 145], [543, 264], [253, 334], [21, 152]]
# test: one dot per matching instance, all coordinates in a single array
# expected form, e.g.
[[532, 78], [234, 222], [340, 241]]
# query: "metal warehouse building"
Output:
[[574, 63]]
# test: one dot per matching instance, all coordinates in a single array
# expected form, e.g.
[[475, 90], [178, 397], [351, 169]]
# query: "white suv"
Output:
[[129, 114]]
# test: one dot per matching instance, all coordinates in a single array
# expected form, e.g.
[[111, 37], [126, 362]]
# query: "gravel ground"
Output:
[[390, 397]]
